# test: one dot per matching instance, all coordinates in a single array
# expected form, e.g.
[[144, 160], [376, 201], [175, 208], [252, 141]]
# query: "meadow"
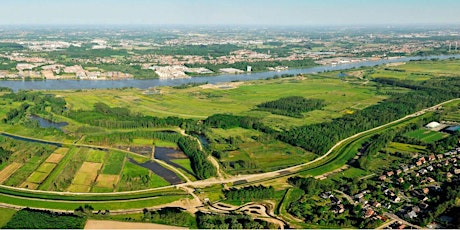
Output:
[[199, 103], [426, 135]]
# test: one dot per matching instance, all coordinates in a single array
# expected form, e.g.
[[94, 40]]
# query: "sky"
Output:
[[229, 12]]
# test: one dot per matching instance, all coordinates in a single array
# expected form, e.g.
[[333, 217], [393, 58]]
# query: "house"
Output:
[[402, 226], [416, 209], [411, 215], [418, 163], [369, 212], [326, 195], [422, 171], [449, 175], [390, 173], [426, 190], [376, 204], [457, 171], [398, 171], [430, 168], [382, 177], [405, 168], [395, 199], [335, 200], [439, 156], [423, 205], [431, 157], [422, 159], [400, 180], [338, 208]]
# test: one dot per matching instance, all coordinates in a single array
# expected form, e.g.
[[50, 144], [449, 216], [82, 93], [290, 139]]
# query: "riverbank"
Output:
[[148, 83]]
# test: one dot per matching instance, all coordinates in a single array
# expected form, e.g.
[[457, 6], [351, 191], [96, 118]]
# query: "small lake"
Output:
[[144, 84], [45, 123]]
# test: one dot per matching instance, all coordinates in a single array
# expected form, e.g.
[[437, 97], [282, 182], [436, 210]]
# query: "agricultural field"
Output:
[[426, 135], [74, 169]]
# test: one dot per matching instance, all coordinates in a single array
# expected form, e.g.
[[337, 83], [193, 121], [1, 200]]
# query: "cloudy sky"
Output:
[[230, 12]]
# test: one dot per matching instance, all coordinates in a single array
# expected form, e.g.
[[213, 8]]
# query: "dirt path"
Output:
[[109, 224]]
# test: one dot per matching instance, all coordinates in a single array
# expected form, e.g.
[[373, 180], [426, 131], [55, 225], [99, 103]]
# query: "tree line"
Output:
[[292, 106], [201, 166], [250, 193], [127, 137], [43, 219], [170, 216], [121, 118]]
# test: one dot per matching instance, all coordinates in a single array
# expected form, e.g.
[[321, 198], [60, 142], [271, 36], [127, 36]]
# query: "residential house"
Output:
[[369, 212]]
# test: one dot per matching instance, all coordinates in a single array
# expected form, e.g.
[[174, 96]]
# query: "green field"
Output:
[[200, 103], [426, 135], [5, 215], [114, 163], [135, 177], [263, 155], [96, 156]]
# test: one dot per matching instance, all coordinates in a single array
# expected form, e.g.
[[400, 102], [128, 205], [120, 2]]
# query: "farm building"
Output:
[[452, 129], [432, 125]]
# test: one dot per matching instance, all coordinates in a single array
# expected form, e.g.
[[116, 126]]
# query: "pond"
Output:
[[169, 154], [45, 123]]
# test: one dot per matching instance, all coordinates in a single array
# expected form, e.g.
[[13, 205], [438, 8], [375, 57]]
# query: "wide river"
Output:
[[144, 84]]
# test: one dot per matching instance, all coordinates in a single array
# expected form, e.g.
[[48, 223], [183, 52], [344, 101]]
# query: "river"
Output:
[[144, 84]]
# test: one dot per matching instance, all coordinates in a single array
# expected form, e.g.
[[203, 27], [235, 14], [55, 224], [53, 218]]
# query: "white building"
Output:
[[432, 125]]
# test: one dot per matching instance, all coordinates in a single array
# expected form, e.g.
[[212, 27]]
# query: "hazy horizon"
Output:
[[230, 13]]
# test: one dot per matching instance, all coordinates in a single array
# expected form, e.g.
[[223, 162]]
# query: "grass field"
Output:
[[200, 103], [426, 135], [96, 156], [5, 215], [161, 143], [263, 155], [135, 177], [394, 147], [114, 163], [184, 163], [110, 205], [8, 170]]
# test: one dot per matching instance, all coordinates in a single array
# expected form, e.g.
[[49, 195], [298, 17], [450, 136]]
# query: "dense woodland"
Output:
[[291, 106], [170, 216], [250, 193], [39, 219], [201, 166]]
